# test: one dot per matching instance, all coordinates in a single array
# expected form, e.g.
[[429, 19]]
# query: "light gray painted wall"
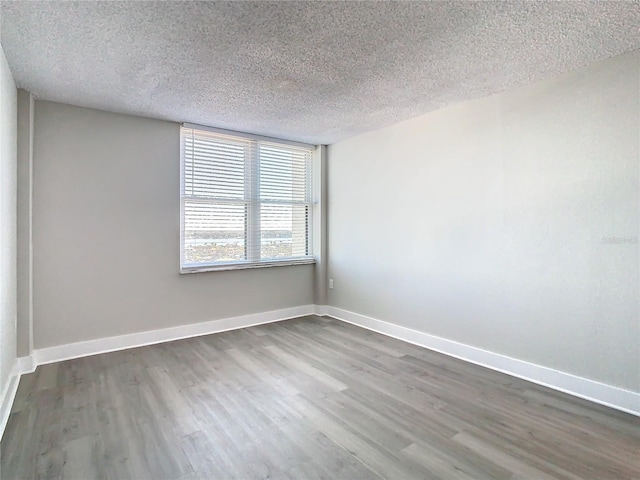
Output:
[[24, 215], [106, 235], [8, 132], [509, 223], [320, 225]]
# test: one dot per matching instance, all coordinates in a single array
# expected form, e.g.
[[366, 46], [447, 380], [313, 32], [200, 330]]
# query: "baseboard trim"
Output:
[[9, 393], [321, 310], [614, 397], [25, 365], [7, 401], [620, 399], [60, 353]]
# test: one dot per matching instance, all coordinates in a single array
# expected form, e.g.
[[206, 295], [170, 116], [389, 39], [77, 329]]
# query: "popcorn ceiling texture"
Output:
[[310, 71]]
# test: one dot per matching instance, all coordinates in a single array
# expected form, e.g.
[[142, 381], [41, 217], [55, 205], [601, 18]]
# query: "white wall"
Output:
[[508, 223], [8, 132], [106, 235]]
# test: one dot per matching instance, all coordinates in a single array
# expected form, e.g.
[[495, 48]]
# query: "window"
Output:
[[246, 201]]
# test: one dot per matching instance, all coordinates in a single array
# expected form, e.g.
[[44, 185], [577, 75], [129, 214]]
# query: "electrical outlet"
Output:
[[331, 283]]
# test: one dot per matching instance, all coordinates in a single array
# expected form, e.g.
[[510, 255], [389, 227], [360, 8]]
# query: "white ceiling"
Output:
[[310, 71]]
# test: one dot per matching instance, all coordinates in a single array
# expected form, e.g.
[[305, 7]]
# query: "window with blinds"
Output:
[[246, 201]]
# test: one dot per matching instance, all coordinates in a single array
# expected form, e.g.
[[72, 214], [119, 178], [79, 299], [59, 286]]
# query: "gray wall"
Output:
[[24, 253], [509, 223], [320, 225], [8, 132], [106, 235]]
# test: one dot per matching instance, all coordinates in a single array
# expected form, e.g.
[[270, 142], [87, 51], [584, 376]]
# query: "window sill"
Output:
[[245, 265]]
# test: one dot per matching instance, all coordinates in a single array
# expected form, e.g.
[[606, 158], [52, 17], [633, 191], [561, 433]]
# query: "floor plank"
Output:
[[310, 398]]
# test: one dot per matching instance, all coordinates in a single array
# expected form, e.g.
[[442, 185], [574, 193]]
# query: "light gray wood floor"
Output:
[[304, 398]]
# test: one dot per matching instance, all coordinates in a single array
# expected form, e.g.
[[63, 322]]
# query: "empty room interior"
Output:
[[304, 240]]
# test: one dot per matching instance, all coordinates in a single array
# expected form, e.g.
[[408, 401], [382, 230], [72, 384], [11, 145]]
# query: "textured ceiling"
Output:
[[309, 71]]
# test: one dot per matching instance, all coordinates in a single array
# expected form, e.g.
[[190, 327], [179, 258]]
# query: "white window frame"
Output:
[[252, 234]]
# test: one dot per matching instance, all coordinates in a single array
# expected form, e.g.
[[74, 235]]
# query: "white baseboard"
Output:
[[617, 398], [322, 310], [614, 397], [21, 366], [25, 365], [8, 395], [111, 344], [59, 353]]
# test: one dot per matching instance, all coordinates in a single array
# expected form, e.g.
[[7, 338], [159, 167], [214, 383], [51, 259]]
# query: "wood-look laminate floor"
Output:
[[303, 399]]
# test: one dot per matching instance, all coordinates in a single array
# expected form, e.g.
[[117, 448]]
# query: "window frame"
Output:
[[252, 235]]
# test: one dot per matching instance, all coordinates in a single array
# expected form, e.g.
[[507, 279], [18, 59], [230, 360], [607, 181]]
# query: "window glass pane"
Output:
[[283, 230], [214, 232]]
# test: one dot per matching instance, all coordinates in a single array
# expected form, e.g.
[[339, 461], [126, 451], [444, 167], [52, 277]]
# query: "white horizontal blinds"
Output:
[[244, 200], [285, 200], [284, 173], [215, 200], [214, 166]]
